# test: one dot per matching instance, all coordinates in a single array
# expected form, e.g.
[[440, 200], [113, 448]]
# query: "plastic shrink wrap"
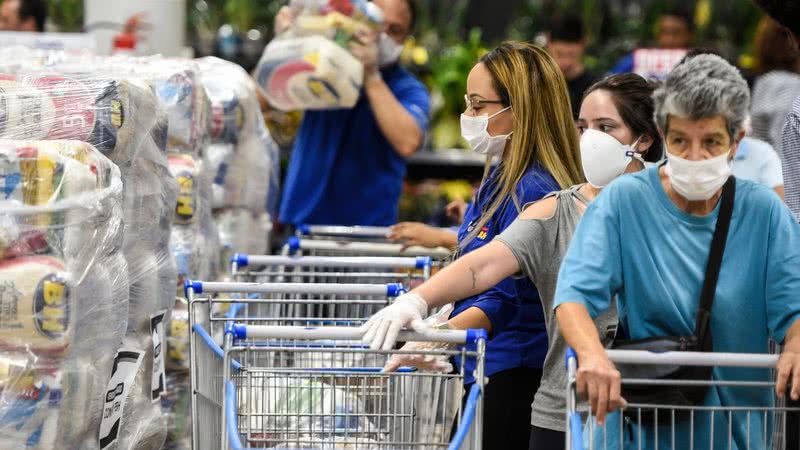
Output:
[[63, 291], [309, 67], [243, 160], [124, 120]]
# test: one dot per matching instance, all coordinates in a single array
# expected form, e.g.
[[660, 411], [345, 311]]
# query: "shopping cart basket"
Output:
[[751, 418], [332, 407], [330, 269]]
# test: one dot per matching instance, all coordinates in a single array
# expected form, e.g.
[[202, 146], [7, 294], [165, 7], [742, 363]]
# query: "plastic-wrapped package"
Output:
[[125, 120], [309, 67], [176, 400], [310, 72], [63, 291]]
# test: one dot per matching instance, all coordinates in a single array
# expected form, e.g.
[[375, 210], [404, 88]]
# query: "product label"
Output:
[[10, 177], [157, 381], [126, 364], [50, 307], [74, 104]]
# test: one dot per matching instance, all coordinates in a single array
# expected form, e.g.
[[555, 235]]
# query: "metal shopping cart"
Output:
[[285, 405], [751, 417], [331, 269]]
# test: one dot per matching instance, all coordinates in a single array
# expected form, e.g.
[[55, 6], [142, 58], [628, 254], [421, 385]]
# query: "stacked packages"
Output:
[[106, 196], [242, 157], [310, 67]]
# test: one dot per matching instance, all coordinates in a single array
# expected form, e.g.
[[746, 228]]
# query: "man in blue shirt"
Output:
[[348, 165]]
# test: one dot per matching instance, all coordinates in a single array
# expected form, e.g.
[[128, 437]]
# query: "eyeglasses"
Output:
[[473, 103]]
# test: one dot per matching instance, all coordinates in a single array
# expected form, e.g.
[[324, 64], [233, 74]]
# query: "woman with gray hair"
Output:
[[646, 241]]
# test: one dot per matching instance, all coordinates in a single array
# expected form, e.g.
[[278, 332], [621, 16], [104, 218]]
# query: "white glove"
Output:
[[424, 363], [382, 328]]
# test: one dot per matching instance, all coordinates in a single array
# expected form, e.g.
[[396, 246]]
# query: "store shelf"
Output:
[[445, 164]]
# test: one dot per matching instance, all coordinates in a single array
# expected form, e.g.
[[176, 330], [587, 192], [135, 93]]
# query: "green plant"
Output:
[[67, 15]]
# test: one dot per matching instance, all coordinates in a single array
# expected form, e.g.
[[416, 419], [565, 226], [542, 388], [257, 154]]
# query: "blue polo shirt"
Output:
[[342, 170], [519, 335]]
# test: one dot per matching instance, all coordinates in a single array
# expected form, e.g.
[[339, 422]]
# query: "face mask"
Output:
[[388, 50], [698, 180], [605, 158], [474, 129]]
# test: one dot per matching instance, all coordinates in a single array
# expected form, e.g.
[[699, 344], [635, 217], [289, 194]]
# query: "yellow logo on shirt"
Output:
[[483, 233]]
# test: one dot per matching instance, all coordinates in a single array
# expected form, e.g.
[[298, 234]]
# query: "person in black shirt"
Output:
[[566, 43]]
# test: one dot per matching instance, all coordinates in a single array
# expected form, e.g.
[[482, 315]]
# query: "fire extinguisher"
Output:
[[127, 40]]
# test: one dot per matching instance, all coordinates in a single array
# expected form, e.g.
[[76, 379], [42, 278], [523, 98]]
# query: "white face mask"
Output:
[[604, 158], [698, 180], [474, 129], [388, 50]]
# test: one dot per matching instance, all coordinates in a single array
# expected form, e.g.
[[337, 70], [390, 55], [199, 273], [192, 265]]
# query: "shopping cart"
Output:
[[337, 405], [326, 247], [330, 269], [751, 419]]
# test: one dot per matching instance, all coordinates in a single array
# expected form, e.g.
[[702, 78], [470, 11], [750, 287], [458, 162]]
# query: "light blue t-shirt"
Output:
[[633, 242]]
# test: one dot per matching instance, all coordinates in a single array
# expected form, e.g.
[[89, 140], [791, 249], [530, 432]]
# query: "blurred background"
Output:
[[450, 36]]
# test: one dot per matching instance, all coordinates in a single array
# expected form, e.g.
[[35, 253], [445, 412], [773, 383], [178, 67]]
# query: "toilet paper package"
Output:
[[63, 291], [309, 72]]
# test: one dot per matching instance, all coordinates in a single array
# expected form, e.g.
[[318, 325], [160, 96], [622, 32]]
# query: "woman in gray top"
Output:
[[618, 136]]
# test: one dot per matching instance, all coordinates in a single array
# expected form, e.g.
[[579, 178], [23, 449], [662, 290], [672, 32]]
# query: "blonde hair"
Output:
[[527, 78]]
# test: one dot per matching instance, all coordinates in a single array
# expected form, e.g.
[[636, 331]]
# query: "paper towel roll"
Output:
[[35, 305]]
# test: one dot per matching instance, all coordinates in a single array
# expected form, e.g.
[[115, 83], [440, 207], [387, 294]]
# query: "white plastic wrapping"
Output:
[[309, 67], [63, 291], [124, 120]]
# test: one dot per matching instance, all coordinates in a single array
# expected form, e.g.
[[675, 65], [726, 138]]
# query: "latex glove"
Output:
[[424, 363], [381, 330], [366, 51]]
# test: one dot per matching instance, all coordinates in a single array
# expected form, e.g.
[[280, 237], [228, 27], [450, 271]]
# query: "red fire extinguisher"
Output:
[[126, 41]]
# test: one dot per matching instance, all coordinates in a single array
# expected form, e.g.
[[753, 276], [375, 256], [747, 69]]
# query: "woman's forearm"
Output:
[[471, 318], [469, 275]]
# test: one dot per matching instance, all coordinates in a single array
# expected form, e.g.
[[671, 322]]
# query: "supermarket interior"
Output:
[[387, 224]]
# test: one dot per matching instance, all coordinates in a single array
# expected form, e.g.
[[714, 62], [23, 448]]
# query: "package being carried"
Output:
[[63, 291], [310, 67]]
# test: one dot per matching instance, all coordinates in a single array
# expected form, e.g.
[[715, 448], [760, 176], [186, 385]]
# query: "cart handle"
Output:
[[335, 230], [199, 287], [400, 262], [232, 419], [465, 337], [293, 244]]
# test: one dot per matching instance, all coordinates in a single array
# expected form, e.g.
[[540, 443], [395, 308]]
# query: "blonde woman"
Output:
[[517, 110]]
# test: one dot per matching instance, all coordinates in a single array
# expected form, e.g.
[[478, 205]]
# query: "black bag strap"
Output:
[[715, 258]]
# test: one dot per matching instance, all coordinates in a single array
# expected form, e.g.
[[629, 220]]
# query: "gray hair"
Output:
[[701, 87]]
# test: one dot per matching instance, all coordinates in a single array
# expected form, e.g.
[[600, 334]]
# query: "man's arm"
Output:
[[395, 122]]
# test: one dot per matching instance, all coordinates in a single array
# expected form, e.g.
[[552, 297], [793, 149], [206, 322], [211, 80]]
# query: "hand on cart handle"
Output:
[[381, 330], [600, 383], [788, 371]]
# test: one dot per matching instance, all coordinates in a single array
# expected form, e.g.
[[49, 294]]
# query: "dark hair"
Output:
[[773, 48], [37, 9], [633, 97], [785, 12], [680, 13], [567, 28]]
